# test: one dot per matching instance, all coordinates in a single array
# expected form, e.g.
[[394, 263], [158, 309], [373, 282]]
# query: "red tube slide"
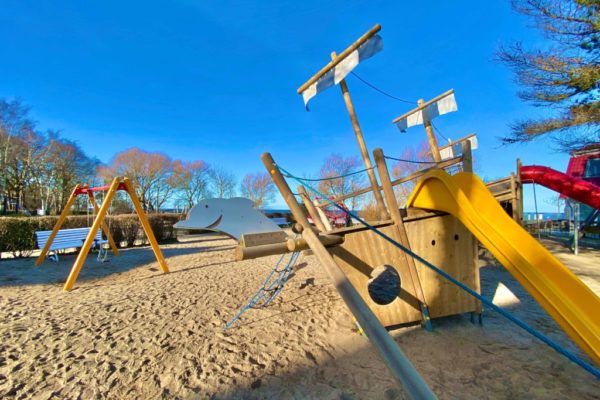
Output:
[[575, 188]]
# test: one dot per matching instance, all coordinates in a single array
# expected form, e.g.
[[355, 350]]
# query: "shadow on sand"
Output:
[[498, 360], [17, 272]]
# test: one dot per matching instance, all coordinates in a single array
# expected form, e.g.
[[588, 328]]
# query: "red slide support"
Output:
[[575, 188]]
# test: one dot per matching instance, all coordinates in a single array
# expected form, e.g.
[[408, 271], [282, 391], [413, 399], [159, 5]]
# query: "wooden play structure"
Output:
[[438, 237], [426, 252], [358, 251], [118, 183]]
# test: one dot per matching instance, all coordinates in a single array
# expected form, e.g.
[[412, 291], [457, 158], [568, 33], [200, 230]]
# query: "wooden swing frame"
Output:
[[118, 183]]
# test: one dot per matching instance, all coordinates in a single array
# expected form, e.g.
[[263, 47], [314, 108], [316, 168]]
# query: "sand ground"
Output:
[[129, 332]]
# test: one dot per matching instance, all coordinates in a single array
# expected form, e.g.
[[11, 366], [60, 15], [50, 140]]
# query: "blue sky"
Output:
[[217, 80]]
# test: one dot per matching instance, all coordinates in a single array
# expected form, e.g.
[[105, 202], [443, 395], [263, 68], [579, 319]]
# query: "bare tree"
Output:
[[18, 166], [37, 169], [258, 187], [222, 182], [191, 180], [16, 133], [413, 158], [337, 166], [149, 171]]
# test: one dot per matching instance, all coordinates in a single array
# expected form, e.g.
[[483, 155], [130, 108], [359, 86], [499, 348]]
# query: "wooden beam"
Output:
[[347, 196], [312, 210], [431, 139], [89, 240], [288, 246], [519, 192], [383, 214], [327, 240], [248, 253], [399, 365], [408, 261], [144, 221], [467, 156], [457, 141], [442, 164], [341, 57], [424, 105]]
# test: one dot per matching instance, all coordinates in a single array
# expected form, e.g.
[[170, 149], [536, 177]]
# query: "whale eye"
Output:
[[206, 206]]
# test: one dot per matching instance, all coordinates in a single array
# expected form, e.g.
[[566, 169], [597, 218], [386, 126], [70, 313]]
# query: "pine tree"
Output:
[[564, 77]]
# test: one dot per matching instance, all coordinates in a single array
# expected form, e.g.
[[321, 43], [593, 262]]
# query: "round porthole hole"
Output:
[[384, 284]]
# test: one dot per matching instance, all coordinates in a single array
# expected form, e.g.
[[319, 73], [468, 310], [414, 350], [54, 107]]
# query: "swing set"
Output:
[[118, 183]]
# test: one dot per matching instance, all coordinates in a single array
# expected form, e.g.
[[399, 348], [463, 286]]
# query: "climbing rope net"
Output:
[[270, 289]]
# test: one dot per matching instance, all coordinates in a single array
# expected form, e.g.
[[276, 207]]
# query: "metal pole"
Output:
[[536, 212], [576, 228]]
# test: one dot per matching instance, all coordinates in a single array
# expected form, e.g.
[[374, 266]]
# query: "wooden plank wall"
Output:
[[442, 240]]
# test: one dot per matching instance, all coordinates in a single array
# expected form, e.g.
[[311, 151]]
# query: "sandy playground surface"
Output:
[[129, 332]]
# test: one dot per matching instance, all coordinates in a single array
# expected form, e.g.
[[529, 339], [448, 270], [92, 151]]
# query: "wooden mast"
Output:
[[383, 214], [433, 144]]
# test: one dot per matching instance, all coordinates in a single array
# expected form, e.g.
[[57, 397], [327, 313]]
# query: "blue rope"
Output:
[[522, 324], [270, 288], [416, 162], [330, 178]]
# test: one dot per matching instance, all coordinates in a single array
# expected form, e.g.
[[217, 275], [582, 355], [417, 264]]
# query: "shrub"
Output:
[[17, 234], [162, 226]]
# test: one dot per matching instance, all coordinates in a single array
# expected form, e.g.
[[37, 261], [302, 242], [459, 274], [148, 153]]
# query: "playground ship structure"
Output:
[[425, 254]]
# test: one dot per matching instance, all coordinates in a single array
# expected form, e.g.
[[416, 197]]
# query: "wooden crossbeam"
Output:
[[370, 33]]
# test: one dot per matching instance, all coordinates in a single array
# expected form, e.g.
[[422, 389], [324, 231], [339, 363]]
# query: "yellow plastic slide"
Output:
[[569, 301]]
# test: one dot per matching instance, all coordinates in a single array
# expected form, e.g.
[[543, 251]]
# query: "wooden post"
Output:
[[390, 199], [312, 210], [248, 253], [467, 165], [89, 240], [519, 192], [433, 145], [105, 229], [147, 229], [61, 220], [467, 156], [399, 365], [300, 244], [383, 214], [514, 200]]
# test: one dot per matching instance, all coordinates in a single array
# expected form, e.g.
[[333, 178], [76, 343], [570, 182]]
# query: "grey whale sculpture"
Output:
[[233, 217]]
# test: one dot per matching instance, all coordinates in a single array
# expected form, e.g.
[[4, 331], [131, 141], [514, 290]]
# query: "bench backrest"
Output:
[[65, 238]]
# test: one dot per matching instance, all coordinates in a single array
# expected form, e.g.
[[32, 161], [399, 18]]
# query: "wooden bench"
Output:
[[67, 239]]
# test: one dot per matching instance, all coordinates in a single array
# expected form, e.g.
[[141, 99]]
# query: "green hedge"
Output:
[[17, 233]]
